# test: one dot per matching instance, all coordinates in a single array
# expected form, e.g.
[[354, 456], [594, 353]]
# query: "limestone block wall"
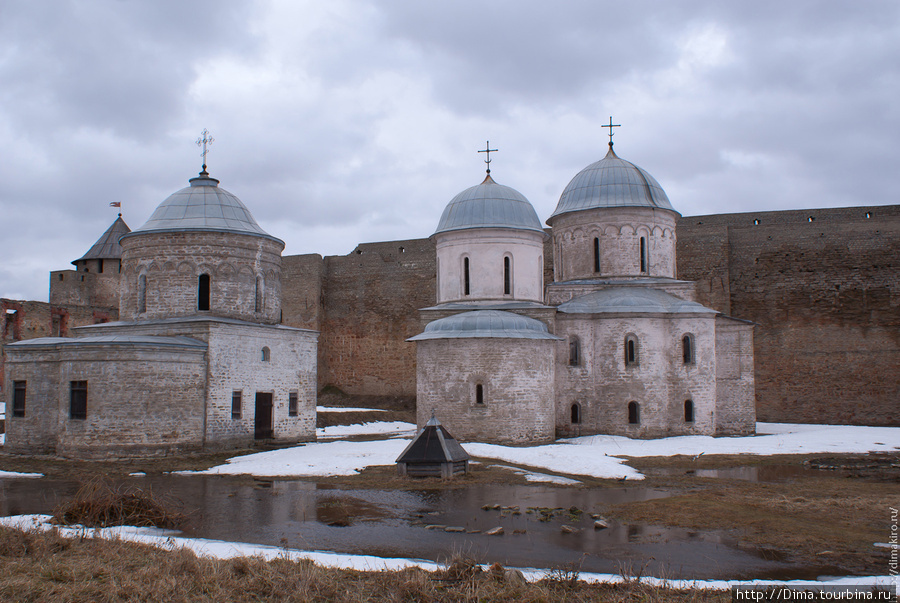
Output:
[[170, 264], [79, 288], [516, 376], [140, 398], [735, 390], [659, 382], [485, 249], [619, 231]]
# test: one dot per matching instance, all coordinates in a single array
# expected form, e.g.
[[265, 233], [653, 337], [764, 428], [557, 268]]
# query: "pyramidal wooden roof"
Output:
[[107, 246], [433, 444]]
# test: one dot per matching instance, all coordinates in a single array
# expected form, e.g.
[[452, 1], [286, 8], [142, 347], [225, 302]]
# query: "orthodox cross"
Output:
[[488, 150], [204, 141], [611, 125]]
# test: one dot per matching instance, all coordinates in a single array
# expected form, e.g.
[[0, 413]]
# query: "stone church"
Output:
[[614, 345], [198, 357]]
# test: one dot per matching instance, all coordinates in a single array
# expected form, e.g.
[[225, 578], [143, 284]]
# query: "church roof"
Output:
[[179, 341], [433, 444], [203, 206], [489, 205], [485, 323], [611, 182], [638, 300], [107, 246]]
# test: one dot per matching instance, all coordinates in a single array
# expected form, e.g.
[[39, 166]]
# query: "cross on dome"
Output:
[[611, 125], [487, 149], [205, 141]]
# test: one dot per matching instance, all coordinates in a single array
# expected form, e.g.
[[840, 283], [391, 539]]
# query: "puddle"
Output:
[[760, 473], [389, 523]]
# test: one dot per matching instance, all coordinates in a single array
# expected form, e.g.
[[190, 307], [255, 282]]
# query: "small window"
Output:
[[479, 393], [596, 254], [634, 413], [18, 405], [507, 276], [266, 355], [632, 350], [688, 411], [236, 404], [203, 292], [574, 352], [576, 414], [142, 293], [258, 295], [643, 254], [78, 400], [756, 222], [465, 276], [293, 404], [687, 349]]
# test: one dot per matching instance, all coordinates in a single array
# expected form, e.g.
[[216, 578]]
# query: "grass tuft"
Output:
[[98, 504]]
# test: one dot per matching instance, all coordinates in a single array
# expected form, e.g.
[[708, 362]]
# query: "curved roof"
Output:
[[485, 323], [489, 205], [203, 206], [611, 182], [632, 300], [107, 246]]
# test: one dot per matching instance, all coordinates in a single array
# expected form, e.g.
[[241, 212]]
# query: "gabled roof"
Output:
[[107, 246], [433, 444]]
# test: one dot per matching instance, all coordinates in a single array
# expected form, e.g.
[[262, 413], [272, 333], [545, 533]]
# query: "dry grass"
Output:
[[46, 567], [98, 504]]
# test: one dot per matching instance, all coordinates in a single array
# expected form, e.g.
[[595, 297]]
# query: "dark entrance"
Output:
[[263, 419]]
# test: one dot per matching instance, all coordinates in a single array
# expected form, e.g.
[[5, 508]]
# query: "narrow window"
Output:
[[631, 350], [265, 354], [479, 393], [142, 293], [78, 400], [687, 349], [688, 411], [257, 296], [100, 266], [293, 404], [576, 414], [236, 405], [507, 277], [18, 405], [465, 276], [597, 254], [634, 413], [574, 352], [643, 254], [203, 292]]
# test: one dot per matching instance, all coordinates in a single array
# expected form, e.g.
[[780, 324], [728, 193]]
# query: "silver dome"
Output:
[[485, 323], [489, 205], [611, 182], [203, 206]]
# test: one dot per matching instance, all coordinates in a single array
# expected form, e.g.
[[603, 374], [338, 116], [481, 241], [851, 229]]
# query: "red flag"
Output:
[[115, 204]]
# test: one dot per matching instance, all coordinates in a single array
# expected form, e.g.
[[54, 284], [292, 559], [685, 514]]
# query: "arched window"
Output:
[[479, 393], [574, 351], [258, 302], [266, 354], [465, 276], [507, 275], [203, 292], [142, 293], [632, 350], [634, 413], [597, 254], [687, 348], [688, 411], [643, 254], [576, 414]]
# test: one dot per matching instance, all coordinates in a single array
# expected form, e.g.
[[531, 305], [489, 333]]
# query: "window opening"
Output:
[[236, 404], [631, 350], [576, 414], [293, 404], [479, 393], [634, 413], [78, 400], [643, 254], [142, 293], [203, 292], [100, 266], [507, 277], [687, 349], [257, 295], [688, 411], [597, 254], [574, 352], [18, 405], [465, 276], [265, 354]]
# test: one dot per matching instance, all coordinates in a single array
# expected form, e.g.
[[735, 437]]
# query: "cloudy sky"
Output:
[[342, 122]]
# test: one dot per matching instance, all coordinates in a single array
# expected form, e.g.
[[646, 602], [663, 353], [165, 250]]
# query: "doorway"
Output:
[[263, 419]]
